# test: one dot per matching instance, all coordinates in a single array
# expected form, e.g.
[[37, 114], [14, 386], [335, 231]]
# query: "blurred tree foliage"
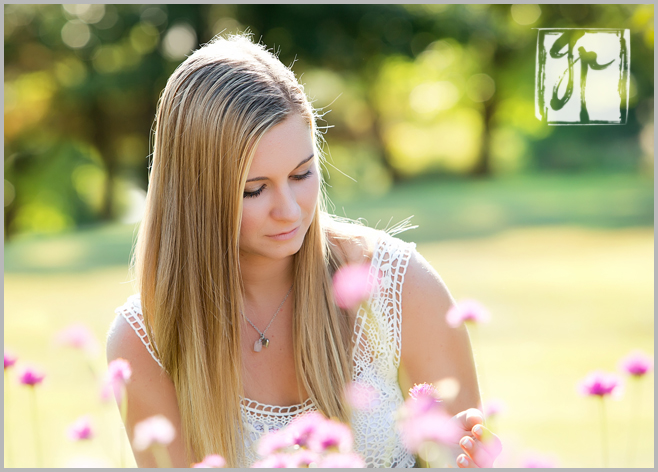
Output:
[[412, 89]]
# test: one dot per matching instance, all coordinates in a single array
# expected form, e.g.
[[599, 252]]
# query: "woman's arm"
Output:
[[150, 391], [431, 349]]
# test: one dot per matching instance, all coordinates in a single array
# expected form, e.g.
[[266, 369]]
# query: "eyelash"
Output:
[[295, 177]]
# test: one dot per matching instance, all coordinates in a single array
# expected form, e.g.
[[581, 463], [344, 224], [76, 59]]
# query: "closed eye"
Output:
[[255, 193]]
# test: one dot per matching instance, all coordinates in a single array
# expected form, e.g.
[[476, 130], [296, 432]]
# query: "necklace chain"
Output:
[[262, 334]]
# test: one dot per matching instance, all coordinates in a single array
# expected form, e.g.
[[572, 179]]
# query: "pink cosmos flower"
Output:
[[156, 429], [81, 429], [342, 461], [351, 285], [10, 359], [424, 419], [493, 407], [78, 336], [117, 376], [637, 363], [361, 396], [332, 436], [423, 390], [31, 377], [467, 311], [599, 383], [212, 461], [303, 458]]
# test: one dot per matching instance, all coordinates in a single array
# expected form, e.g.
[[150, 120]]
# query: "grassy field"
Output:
[[566, 298]]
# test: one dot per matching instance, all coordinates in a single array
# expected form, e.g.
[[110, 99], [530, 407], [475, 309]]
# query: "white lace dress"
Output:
[[377, 343]]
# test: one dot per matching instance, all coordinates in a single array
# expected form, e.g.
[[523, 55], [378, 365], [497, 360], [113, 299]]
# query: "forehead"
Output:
[[283, 146]]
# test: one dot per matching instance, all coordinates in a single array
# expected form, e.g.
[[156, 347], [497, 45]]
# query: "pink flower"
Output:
[[493, 407], [156, 429], [342, 461], [302, 458], [212, 461], [424, 419], [361, 396], [423, 390], [81, 429], [537, 461], [467, 311], [331, 435], [10, 360], [599, 383], [352, 285], [274, 442], [31, 377], [117, 376], [637, 363], [78, 336]]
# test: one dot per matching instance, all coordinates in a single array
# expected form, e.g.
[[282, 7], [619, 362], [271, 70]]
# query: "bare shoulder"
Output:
[[124, 342], [423, 288]]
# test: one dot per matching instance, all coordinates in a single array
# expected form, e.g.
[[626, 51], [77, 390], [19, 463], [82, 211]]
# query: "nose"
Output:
[[285, 206]]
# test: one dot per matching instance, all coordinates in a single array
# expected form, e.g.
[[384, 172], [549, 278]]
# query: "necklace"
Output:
[[263, 341]]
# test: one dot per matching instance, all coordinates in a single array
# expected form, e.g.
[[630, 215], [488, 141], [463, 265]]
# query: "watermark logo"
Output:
[[582, 76]]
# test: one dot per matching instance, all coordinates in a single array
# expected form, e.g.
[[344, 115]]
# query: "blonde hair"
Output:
[[215, 108]]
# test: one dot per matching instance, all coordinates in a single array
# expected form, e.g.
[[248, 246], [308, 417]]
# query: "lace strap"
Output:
[[390, 261], [132, 313]]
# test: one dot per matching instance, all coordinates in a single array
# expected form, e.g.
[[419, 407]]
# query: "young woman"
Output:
[[235, 331]]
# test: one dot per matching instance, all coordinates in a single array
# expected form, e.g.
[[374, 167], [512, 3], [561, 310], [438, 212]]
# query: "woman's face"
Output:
[[281, 192]]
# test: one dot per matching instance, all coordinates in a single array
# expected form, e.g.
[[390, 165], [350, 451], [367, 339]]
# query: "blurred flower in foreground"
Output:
[[212, 461], [537, 461], [117, 376], [425, 427], [637, 363], [467, 311], [351, 285], [81, 429], [310, 440], [599, 383], [361, 396], [423, 390], [10, 359], [31, 377], [154, 430], [78, 336]]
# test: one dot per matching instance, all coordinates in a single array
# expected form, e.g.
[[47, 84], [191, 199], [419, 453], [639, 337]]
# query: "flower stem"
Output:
[[634, 417], [35, 420], [8, 449], [604, 434], [161, 455], [124, 415]]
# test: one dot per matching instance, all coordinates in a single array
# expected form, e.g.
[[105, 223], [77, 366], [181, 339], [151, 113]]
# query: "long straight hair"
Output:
[[214, 110]]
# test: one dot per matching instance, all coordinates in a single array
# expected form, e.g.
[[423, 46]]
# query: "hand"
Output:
[[481, 447]]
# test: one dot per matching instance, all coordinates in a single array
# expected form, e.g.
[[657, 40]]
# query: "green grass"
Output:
[[567, 296]]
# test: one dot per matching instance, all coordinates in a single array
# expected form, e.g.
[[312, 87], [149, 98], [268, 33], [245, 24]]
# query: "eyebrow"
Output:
[[298, 166]]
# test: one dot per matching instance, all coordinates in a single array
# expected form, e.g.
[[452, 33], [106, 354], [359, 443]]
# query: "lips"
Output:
[[285, 235]]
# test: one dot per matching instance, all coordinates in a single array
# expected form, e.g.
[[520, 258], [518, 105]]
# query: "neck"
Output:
[[265, 281]]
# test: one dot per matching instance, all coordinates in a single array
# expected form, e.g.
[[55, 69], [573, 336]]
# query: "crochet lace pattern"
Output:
[[376, 358]]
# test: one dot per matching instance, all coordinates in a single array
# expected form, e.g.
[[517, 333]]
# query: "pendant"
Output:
[[261, 343]]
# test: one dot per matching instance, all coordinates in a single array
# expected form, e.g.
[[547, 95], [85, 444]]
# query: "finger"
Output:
[[484, 448], [469, 418], [465, 462]]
